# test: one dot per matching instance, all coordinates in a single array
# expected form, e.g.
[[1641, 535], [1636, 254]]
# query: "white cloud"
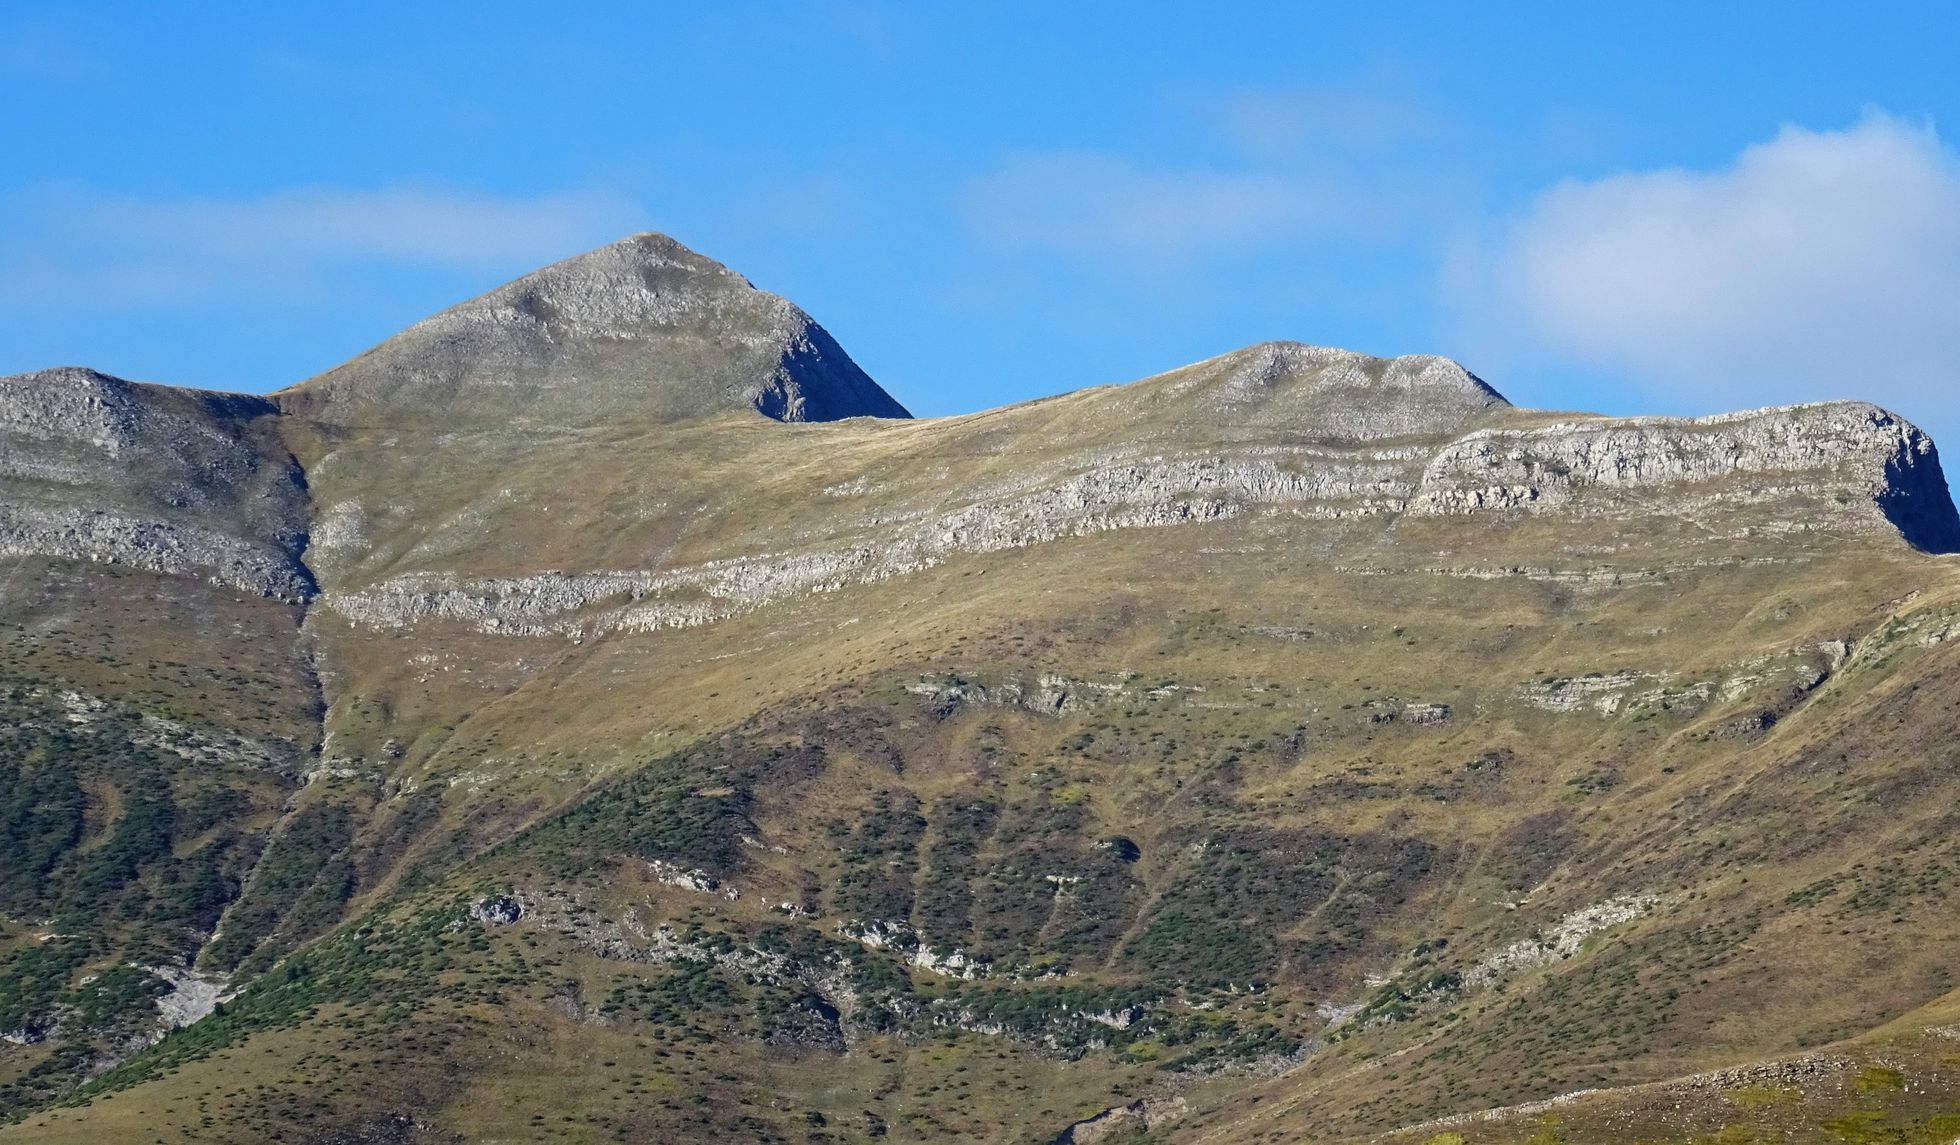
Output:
[[1819, 264], [1267, 169], [69, 244]]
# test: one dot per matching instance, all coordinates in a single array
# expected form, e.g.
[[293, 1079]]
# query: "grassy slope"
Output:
[[1288, 833], [1697, 827]]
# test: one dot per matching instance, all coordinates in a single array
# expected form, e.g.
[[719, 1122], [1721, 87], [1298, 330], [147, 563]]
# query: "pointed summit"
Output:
[[643, 328]]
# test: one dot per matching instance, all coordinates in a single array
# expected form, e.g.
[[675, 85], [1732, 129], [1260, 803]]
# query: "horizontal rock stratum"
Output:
[[645, 335]]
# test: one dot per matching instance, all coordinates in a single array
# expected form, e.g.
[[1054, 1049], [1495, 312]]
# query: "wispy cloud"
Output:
[[1111, 206], [1375, 117], [1279, 168], [71, 245], [1817, 264]]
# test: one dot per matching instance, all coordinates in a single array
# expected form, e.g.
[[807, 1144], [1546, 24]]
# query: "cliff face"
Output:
[[176, 481], [1852, 465]]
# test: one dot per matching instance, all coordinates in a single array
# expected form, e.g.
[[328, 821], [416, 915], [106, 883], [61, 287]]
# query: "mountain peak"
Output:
[[643, 327], [647, 280], [1325, 392], [1419, 376]]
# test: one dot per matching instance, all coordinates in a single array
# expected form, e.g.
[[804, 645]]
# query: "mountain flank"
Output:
[[599, 713]]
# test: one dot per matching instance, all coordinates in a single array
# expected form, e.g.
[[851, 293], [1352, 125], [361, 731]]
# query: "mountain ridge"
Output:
[[1293, 742], [1837, 458], [650, 282]]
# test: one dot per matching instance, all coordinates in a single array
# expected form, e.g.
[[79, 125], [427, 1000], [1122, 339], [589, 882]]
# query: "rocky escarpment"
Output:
[[884, 540], [644, 328], [1847, 469], [176, 481], [646, 331], [1851, 465]]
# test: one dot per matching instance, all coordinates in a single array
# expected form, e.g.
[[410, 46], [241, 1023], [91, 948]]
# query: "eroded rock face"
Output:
[[1851, 454], [1844, 468], [1144, 492], [1050, 693], [644, 327], [175, 481], [497, 910]]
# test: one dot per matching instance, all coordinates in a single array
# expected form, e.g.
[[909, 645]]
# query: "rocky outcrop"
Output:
[[1122, 1121], [205, 748], [1050, 694], [1848, 462], [1560, 939], [1838, 467], [1141, 492], [497, 910], [934, 958], [192, 995], [152, 544], [642, 328], [1321, 393], [175, 481]]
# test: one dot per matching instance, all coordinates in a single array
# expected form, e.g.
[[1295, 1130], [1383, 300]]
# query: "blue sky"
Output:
[[1668, 208]]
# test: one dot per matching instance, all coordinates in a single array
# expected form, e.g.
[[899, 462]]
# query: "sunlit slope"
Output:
[[643, 327], [1295, 745], [1304, 814]]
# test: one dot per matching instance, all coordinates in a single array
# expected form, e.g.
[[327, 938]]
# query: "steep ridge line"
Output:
[[186, 482]]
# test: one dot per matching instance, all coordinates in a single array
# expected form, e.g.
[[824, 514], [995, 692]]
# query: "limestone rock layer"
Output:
[[400, 477]]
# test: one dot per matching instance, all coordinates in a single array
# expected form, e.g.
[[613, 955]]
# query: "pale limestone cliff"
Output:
[[1861, 465]]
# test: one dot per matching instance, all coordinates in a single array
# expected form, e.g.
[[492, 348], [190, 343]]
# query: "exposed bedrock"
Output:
[[200, 484], [171, 480], [1849, 454]]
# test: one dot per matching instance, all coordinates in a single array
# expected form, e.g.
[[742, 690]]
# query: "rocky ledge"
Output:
[[1845, 469], [1851, 464]]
